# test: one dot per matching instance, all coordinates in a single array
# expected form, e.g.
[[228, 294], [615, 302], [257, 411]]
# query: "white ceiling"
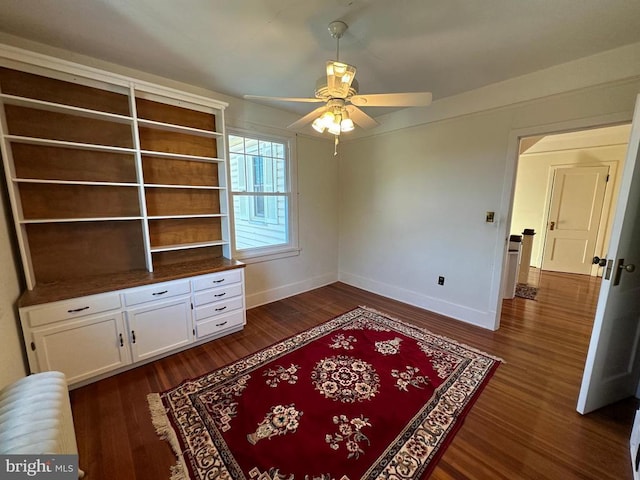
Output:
[[278, 47]]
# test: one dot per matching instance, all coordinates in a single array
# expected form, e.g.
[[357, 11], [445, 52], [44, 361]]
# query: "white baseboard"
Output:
[[284, 291], [473, 316]]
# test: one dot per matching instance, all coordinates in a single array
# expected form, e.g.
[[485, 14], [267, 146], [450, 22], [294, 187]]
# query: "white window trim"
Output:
[[291, 249]]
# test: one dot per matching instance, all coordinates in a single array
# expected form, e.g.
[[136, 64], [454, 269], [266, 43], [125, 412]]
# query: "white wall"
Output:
[[532, 192], [413, 201]]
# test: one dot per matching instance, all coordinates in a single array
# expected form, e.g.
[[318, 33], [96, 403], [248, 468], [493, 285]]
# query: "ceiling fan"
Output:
[[339, 93]]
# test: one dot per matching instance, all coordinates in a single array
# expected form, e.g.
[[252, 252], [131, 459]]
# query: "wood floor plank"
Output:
[[523, 426]]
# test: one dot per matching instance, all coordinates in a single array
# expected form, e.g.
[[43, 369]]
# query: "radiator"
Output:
[[35, 416]]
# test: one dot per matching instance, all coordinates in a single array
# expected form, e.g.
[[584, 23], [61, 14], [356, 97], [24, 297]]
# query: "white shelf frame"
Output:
[[178, 128], [43, 65], [187, 246], [64, 108]]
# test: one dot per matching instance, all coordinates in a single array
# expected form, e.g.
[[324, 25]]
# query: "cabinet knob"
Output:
[[133, 336], [121, 341], [160, 293], [220, 309], [218, 281]]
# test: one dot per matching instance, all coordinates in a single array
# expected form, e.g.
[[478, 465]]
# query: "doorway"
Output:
[[565, 191]]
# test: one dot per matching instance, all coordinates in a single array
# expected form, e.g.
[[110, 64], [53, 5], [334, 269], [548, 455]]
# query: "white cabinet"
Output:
[[159, 327], [94, 336], [218, 309], [82, 348]]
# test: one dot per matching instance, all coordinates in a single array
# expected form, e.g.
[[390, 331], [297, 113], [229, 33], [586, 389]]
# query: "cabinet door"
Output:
[[159, 328], [83, 348]]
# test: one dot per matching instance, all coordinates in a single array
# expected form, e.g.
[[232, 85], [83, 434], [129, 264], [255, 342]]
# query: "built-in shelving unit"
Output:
[[118, 190], [108, 175]]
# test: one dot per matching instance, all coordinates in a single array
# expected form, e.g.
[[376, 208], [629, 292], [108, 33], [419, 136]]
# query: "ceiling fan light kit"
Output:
[[339, 90]]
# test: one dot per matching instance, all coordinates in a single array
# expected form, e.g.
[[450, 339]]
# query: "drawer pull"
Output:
[[133, 336], [221, 324], [220, 294], [121, 341], [218, 281], [76, 310], [160, 293], [221, 308]]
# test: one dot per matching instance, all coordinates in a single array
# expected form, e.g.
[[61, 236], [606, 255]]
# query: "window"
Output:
[[263, 204]]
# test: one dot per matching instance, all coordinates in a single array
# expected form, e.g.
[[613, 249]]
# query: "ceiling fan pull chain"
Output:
[[335, 145]]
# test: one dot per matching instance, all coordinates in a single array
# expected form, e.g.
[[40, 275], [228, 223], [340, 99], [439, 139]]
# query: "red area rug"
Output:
[[361, 396]]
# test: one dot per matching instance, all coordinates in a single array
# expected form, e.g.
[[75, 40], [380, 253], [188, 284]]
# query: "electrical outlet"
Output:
[[440, 280]]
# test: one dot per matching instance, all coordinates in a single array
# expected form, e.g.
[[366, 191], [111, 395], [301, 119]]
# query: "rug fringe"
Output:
[[165, 431], [451, 340]]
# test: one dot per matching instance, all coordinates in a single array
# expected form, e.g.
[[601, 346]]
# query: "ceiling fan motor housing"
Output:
[[322, 90]]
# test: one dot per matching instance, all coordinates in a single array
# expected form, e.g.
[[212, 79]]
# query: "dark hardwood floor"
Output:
[[524, 425]]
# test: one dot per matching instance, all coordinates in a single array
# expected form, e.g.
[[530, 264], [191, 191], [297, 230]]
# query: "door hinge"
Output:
[[33, 346], [194, 331], [191, 305], [607, 178]]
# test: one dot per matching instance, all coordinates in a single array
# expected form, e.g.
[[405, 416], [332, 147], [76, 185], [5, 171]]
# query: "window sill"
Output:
[[265, 257]]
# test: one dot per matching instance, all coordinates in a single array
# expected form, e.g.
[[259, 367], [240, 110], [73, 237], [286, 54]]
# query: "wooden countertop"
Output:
[[53, 292]]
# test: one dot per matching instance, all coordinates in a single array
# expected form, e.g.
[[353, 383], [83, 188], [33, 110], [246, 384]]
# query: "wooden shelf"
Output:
[[94, 175], [176, 257], [77, 182], [163, 113], [48, 201], [181, 201], [201, 215], [64, 109], [179, 172], [51, 163], [179, 156], [185, 246], [178, 128], [79, 219], [40, 87], [92, 285], [29, 122], [73, 250]]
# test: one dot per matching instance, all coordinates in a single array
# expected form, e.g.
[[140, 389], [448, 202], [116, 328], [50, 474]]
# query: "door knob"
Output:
[[601, 262], [552, 225], [630, 268]]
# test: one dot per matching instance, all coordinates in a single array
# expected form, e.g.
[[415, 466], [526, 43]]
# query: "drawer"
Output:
[[77, 307], [217, 279], [217, 294], [158, 291], [220, 324], [217, 308]]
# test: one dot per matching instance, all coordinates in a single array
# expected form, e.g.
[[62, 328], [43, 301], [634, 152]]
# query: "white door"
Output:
[[612, 368], [82, 348], [574, 218], [159, 327]]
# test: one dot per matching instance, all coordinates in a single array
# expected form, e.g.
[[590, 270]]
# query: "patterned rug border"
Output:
[[422, 329], [526, 291], [166, 430]]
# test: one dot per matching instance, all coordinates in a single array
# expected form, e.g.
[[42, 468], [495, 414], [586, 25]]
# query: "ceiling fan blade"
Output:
[[360, 118], [283, 99], [414, 99], [308, 118], [339, 78]]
